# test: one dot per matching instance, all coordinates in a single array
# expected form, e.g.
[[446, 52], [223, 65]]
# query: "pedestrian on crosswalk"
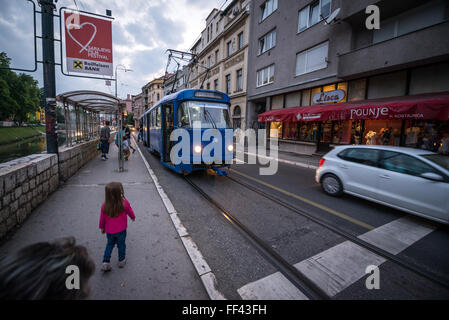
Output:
[[114, 222]]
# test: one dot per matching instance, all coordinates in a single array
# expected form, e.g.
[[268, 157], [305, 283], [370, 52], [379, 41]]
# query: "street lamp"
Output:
[[116, 80]]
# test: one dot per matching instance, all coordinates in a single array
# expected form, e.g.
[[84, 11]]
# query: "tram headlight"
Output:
[[197, 149], [230, 148]]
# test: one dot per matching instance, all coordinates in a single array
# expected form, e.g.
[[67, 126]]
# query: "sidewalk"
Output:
[[158, 266]]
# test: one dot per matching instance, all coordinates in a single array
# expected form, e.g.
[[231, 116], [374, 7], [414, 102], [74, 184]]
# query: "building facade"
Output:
[[297, 60], [128, 103], [152, 92], [137, 108], [182, 81], [223, 50]]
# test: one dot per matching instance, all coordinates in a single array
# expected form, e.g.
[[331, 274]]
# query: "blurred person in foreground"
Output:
[[38, 271]]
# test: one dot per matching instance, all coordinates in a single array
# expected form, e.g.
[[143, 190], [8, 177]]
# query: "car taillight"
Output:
[[322, 162]]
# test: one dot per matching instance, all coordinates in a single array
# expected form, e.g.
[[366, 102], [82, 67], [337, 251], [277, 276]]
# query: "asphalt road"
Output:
[[236, 263]]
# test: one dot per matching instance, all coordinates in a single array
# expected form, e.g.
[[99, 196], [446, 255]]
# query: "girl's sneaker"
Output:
[[122, 263], [106, 267]]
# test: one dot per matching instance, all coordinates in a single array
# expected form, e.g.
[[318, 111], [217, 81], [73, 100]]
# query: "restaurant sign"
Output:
[[329, 96]]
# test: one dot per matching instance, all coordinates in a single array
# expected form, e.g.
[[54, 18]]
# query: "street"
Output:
[[236, 263]]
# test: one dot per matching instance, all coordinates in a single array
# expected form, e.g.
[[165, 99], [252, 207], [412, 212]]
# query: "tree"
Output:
[[19, 94], [130, 118]]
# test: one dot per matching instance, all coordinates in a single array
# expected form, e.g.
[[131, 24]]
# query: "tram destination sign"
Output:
[[88, 44]]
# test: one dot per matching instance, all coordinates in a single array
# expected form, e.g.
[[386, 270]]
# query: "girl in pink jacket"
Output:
[[113, 221]]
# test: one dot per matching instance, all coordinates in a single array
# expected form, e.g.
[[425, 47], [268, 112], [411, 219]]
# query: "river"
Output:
[[25, 147]]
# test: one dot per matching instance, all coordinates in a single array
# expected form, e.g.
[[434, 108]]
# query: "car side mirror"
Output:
[[432, 176]]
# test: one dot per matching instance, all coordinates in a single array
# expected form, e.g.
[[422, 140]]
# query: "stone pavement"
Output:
[[158, 266]]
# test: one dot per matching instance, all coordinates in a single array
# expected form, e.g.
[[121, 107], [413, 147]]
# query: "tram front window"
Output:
[[208, 114]]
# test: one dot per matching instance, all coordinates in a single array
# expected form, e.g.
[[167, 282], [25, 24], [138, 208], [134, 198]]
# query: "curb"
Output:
[[202, 268]]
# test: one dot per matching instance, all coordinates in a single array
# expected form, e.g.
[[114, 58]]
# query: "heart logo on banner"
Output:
[[80, 26]]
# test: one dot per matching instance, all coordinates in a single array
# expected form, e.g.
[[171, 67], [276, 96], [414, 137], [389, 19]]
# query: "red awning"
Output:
[[433, 106]]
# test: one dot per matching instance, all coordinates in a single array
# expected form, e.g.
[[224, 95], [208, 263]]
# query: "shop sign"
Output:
[[329, 96], [370, 113]]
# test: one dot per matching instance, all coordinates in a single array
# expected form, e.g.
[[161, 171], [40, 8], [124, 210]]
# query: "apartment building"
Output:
[[222, 52], [178, 81], [315, 81], [152, 92], [137, 107]]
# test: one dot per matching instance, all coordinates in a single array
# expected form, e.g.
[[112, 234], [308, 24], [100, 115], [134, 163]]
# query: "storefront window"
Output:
[[326, 132], [427, 135], [356, 132], [305, 99], [343, 86], [313, 93], [356, 90], [382, 132], [290, 130], [341, 132], [329, 88], [308, 131], [276, 126]]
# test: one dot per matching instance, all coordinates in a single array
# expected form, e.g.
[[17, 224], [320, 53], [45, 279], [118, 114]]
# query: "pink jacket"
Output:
[[117, 224]]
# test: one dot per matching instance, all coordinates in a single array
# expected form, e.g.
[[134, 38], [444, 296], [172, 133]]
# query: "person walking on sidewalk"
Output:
[[140, 136], [114, 222], [105, 135], [128, 137]]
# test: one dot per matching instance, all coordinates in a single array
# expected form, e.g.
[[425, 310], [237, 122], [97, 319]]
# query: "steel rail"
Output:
[[296, 277], [429, 275]]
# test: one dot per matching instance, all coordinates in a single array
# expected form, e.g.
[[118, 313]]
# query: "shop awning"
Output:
[[416, 107]]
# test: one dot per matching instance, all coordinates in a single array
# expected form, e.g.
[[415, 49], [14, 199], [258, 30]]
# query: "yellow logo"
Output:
[[77, 64]]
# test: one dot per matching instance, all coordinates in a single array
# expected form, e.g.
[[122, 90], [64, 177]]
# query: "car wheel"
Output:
[[332, 185]]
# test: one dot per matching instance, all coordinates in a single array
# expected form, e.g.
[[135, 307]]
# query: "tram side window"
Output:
[[158, 117], [183, 116]]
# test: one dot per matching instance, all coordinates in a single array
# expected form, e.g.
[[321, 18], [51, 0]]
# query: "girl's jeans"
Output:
[[113, 239]]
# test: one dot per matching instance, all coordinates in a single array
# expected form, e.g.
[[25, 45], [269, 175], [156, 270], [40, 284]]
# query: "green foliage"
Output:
[[130, 118], [19, 93]]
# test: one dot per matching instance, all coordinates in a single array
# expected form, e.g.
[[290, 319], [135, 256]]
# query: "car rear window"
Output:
[[439, 159], [369, 157]]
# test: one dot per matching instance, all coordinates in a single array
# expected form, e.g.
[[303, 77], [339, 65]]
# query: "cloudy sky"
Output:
[[142, 31]]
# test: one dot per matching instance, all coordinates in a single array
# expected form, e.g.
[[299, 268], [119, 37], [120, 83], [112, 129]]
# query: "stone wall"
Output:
[[27, 182], [24, 184], [71, 159]]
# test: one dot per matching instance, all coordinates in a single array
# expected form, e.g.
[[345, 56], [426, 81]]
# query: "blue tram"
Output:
[[195, 111]]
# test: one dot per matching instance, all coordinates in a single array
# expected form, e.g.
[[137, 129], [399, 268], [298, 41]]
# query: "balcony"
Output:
[[412, 49]]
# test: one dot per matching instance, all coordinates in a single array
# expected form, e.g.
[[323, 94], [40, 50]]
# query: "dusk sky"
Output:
[[142, 31]]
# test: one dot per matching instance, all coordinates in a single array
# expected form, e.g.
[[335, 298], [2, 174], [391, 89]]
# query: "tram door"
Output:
[[167, 130]]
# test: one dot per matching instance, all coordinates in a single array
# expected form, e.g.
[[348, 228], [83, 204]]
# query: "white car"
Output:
[[412, 180]]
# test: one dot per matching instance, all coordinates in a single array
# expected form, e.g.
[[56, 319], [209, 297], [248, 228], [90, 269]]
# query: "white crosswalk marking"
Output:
[[273, 287], [336, 268]]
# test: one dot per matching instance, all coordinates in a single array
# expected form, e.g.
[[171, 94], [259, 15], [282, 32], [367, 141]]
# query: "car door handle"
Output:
[[343, 166], [385, 176]]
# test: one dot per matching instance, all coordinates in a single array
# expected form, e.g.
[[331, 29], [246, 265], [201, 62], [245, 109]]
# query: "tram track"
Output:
[[296, 277], [408, 265]]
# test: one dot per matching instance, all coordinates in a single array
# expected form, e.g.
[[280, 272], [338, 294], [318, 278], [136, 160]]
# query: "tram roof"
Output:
[[94, 101], [186, 94]]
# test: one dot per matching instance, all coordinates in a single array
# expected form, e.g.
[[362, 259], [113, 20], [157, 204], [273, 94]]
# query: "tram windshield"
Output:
[[208, 114]]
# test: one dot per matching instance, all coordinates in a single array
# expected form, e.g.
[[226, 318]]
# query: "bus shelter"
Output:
[[82, 109]]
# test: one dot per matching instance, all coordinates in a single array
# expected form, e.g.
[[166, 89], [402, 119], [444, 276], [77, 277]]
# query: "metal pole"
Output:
[[116, 81], [48, 55]]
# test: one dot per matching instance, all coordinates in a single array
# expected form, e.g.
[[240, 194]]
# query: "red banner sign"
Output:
[[88, 44]]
